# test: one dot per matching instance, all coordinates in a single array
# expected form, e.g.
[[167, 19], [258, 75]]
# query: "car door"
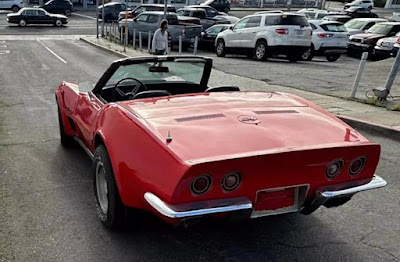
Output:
[[42, 18], [141, 23], [233, 37], [31, 16], [250, 31]]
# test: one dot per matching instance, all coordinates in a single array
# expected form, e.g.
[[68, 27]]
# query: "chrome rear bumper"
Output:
[[238, 204], [326, 196]]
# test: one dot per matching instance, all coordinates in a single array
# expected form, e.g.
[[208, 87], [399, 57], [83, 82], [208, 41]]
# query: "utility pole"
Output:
[[165, 8], [97, 18], [102, 18]]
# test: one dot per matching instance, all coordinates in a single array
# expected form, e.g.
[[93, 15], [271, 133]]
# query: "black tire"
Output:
[[22, 23], [15, 8], [332, 57], [261, 51], [220, 48], [67, 12], [108, 18], [308, 55], [66, 140], [226, 10], [294, 56], [115, 214], [369, 8], [58, 23]]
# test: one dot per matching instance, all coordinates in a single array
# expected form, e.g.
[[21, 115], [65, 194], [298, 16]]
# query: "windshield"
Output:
[[355, 24], [380, 29], [334, 28], [181, 70]]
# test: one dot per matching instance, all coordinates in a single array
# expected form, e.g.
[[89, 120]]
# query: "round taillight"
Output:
[[357, 165], [231, 181], [200, 185], [333, 169]]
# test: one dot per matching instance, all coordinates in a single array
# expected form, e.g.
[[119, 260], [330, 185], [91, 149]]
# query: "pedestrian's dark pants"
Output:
[[160, 52]]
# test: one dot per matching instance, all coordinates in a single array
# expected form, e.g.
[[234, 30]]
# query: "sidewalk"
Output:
[[355, 113]]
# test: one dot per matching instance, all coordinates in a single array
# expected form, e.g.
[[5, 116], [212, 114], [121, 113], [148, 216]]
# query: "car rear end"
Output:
[[291, 33], [260, 185], [187, 31], [332, 39]]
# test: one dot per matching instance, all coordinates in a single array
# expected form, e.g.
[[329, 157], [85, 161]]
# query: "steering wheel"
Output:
[[129, 95]]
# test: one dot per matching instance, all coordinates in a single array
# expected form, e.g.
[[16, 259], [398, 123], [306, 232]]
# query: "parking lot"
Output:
[[46, 197]]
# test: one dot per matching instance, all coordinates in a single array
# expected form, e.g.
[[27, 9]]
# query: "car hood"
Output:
[[228, 125], [12, 14], [390, 39], [58, 16]]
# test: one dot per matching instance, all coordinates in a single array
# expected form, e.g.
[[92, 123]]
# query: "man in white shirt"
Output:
[[160, 39]]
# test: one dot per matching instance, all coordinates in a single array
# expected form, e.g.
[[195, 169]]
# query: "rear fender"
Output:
[[67, 96]]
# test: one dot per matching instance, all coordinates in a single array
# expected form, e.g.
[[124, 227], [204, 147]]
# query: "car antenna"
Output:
[[169, 137]]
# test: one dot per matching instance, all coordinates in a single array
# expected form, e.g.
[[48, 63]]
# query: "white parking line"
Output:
[[85, 16], [51, 51]]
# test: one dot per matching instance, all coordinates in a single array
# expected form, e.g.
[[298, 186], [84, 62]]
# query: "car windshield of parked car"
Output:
[[181, 70], [334, 27], [356, 2], [380, 29], [355, 24]]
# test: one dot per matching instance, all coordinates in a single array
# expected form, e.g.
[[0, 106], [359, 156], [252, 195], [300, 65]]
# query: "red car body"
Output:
[[280, 145]]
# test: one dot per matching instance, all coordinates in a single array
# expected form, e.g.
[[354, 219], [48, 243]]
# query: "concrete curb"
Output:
[[372, 127], [114, 52], [389, 131]]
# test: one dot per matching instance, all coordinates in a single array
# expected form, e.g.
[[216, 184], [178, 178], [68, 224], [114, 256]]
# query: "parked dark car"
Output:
[[360, 12], [143, 8], [27, 16], [220, 5], [200, 14], [213, 13], [111, 11], [338, 18], [207, 39], [58, 7], [366, 42]]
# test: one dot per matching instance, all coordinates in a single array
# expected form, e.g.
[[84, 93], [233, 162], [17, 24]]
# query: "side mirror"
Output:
[[135, 19], [230, 27], [392, 33]]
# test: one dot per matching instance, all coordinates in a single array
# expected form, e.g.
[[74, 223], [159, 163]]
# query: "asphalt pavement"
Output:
[[47, 203]]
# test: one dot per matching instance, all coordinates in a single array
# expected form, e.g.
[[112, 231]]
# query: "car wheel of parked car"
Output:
[[110, 209], [226, 10], [369, 8], [108, 18], [15, 8], [67, 12], [332, 57], [294, 56], [308, 54], [22, 22], [66, 140], [220, 49], [58, 23], [261, 51]]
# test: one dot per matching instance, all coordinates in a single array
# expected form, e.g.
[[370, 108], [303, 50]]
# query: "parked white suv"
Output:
[[265, 34], [329, 39], [13, 5], [361, 3], [315, 13]]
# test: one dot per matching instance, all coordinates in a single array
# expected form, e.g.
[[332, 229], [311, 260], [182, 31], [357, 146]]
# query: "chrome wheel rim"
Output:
[[306, 54], [220, 48], [58, 23], [260, 51], [22, 23], [101, 187]]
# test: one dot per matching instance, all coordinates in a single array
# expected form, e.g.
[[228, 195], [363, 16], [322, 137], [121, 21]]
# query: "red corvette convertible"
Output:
[[162, 140]]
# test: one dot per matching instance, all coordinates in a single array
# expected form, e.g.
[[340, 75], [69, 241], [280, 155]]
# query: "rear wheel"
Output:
[[220, 49], [66, 140], [15, 8], [226, 10], [67, 12], [108, 18], [261, 51], [308, 54], [22, 22], [58, 23], [294, 56], [332, 57], [110, 209]]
